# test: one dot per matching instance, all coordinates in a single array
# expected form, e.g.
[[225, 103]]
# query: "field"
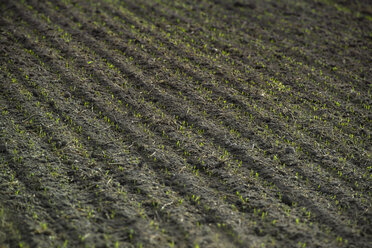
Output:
[[186, 123]]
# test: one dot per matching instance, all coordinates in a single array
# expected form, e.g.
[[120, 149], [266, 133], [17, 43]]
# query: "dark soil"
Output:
[[185, 123]]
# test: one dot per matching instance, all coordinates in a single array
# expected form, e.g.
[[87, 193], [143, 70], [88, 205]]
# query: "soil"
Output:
[[185, 123]]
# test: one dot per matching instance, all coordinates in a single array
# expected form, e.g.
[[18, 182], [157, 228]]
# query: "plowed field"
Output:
[[186, 123]]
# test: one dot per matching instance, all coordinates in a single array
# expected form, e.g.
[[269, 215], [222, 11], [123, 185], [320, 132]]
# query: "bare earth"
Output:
[[185, 123]]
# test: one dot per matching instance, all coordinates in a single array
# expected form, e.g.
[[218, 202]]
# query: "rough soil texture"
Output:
[[173, 123]]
